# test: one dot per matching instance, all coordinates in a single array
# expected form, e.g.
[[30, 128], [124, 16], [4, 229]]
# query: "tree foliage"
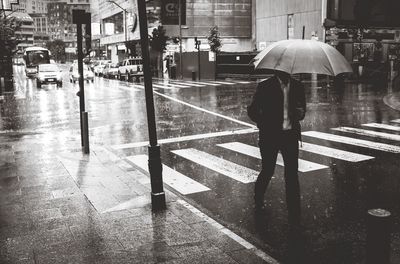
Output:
[[8, 39], [158, 39], [214, 40], [57, 49]]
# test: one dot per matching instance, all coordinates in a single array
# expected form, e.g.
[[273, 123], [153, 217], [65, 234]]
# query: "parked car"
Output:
[[129, 68], [88, 75], [110, 70], [48, 73], [99, 66]]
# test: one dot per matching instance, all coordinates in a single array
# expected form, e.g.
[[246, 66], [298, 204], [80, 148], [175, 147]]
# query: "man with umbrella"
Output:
[[277, 107], [279, 104]]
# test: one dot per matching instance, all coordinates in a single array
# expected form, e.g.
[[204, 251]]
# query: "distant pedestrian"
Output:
[[277, 107]]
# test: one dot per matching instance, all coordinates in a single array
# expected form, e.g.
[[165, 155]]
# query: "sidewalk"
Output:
[[60, 206]]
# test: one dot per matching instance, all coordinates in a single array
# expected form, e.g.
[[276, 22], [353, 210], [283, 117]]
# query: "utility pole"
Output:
[[180, 39], [155, 167]]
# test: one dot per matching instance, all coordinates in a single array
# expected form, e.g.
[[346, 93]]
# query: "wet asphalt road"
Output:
[[334, 199]]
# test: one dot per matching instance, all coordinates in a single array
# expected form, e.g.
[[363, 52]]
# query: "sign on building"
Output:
[[170, 12]]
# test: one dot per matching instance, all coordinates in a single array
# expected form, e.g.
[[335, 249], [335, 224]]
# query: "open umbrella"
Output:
[[302, 56]]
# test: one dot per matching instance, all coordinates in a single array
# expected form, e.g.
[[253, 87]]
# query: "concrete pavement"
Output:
[[60, 206]]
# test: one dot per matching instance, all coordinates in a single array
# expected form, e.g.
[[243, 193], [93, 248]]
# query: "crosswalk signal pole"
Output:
[[155, 167]]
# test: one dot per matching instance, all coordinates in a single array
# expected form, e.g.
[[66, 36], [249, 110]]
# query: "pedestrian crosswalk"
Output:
[[173, 178], [244, 175], [304, 165], [224, 167]]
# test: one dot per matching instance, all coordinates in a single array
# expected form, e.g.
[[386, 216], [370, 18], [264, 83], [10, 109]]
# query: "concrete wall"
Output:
[[272, 15]]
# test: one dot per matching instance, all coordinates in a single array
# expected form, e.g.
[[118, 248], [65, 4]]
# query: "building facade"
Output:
[[285, 19], [364, 34], [234, 19]]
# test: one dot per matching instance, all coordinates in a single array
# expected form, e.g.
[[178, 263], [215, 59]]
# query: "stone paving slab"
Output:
[[60, 206]]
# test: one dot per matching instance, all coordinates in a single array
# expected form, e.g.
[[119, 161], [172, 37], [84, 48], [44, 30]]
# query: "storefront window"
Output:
[[117, 22]]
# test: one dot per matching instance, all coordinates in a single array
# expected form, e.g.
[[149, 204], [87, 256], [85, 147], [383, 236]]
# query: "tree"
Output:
[[8, 43], [57, 49], [214, 41], [158, 43]]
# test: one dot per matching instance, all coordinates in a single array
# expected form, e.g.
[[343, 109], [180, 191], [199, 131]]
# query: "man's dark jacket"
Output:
[[266, 109]]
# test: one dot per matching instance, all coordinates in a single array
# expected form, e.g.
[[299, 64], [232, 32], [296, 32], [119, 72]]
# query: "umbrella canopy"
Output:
[[302, 56]]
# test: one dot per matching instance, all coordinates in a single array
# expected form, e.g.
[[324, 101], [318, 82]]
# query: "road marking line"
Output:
[[131, 89], [212, 84], [383, 126], [304, 165], [188, 84], [163, 87], [228, 232], [173, 178], [242, 82], [334, 153], [172, 85], [219, 82], [206, 111], [227, 168], [187, 138], [370, 133], [353, 141]]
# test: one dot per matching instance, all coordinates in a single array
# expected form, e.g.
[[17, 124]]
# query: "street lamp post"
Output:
[[155, 167]]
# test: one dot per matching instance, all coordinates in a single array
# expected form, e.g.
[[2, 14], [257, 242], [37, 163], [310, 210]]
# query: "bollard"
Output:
[[85, 124], [2, 85], [193, 76], [378, 236]]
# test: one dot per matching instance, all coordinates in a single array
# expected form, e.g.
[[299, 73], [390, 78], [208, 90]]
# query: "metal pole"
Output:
[[155, 167], [81, 80], [85, 124], [198, 58], [126, 32], [180, 39]]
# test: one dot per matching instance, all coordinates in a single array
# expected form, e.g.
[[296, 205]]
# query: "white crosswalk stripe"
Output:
[[224, 167], [353, 141], [334, 153], [383, 126], [304, 165], [370, 133], [173, 178], [395, 121]]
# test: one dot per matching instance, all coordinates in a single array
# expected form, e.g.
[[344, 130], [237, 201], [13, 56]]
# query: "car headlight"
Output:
[[59, 76], [40, 77]]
